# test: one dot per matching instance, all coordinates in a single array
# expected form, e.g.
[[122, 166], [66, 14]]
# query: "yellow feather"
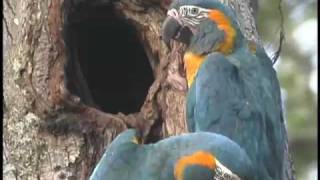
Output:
[[200, 158], [192, 64], [224, 24]]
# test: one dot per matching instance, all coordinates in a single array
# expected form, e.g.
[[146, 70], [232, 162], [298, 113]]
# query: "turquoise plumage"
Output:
[[125, 159], [235, 91]]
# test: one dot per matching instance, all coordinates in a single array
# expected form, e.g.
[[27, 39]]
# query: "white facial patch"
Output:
[[223, 173], [175, 14], [189, 15]]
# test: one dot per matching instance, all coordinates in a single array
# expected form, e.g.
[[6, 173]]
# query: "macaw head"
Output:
[[202, 165], [204, 25]]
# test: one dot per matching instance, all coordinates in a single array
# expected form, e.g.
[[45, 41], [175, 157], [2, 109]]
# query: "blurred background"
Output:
[[297, 70]]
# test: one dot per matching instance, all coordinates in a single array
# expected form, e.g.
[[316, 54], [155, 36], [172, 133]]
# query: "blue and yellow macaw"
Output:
[[194, 156], [233, 88]]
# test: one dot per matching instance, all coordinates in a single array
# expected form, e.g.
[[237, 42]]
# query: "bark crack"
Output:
[[7, 27], [10, 7]]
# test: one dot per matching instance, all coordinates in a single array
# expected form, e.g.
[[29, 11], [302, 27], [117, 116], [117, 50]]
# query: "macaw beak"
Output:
[[172, 29]]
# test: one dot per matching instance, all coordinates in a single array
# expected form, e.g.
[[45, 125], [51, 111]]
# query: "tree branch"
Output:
[[282, 34]]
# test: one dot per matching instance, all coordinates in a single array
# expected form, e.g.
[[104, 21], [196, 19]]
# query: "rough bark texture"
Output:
[[50, 133]]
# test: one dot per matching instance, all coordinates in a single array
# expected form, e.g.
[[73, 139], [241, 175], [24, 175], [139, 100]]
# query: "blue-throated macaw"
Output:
[[193, 156], [233, 88]]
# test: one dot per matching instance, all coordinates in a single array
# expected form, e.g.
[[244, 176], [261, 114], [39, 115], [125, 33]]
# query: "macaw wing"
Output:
[[223, 105], [234, 96], [191, 101], [218, 96]]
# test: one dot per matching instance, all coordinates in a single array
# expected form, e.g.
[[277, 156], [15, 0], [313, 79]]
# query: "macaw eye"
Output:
[[194, 11]]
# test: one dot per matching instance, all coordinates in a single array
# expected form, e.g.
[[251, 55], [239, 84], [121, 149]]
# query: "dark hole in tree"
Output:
[[111, 57]]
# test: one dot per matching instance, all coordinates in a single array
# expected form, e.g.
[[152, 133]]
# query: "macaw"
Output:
[[192, 156], [233, 88]]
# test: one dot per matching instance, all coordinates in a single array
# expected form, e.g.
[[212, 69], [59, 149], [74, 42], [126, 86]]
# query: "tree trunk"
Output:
[[54, 128]]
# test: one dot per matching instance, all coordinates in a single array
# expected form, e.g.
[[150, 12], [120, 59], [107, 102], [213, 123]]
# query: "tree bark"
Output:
[[51, 133]]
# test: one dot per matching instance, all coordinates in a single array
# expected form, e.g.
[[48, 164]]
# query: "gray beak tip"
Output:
[[168, 45], [169, 30], [172, 29]]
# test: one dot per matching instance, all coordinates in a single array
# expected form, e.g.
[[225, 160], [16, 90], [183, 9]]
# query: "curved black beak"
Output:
[[172, 29]]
